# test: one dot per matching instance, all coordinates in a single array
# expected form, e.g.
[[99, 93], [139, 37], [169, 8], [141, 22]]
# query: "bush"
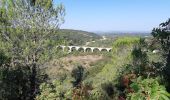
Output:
[[14, 81], [55, 90], [99, 94], [78, 74], [147, 89], [125, 42]]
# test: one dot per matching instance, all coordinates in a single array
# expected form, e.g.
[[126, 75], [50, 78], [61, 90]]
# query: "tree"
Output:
[[78, 75], [162, 34], [30, 34]]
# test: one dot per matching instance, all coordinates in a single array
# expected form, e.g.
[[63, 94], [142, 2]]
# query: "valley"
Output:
[[84, 50]]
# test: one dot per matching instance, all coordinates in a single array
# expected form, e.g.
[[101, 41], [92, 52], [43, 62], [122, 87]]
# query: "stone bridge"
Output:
[[83, 48]]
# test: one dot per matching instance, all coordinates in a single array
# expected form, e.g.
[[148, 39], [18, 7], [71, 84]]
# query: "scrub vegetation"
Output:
[[33, 68]]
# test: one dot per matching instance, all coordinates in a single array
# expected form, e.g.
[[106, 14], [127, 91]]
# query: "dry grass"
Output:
[[65, 65]]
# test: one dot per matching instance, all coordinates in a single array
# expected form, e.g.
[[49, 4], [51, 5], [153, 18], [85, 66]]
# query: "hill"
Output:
[[77, 37], [119, 34]]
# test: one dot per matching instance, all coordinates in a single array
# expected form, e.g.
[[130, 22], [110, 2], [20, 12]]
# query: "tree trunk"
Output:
[[33, 77], [33, 81]]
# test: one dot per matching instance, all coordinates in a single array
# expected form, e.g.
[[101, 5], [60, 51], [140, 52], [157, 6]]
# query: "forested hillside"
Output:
[[77, 37]]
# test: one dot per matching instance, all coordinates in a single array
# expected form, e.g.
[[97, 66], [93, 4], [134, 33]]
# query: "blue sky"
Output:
[[114, 15]]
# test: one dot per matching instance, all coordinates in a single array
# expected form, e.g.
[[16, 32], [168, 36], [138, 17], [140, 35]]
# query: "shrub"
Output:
[[147, 89], [55, 90], [82, 92], [124, 42], [99, 94], [78, 75]]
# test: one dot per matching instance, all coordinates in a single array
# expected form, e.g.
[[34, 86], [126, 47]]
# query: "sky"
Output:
[[114, 15]]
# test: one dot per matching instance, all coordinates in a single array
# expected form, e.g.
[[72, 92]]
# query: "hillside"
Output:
[[77, 37], [118, 34]]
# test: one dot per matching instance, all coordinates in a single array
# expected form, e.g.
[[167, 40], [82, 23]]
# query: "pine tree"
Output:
[[30, 32]]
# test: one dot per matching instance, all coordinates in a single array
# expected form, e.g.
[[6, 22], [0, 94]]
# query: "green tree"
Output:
[[162, 34], [78, 75], [30, 35]]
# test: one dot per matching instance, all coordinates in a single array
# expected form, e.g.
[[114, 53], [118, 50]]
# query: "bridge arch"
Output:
[[67, 49], [104, 50], [60, 48], [88, 50], [73, 49], [96, 50], [81, 49]]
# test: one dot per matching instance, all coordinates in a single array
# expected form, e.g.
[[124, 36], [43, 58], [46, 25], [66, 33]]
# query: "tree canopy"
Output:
[[28, 36], [162, 34]]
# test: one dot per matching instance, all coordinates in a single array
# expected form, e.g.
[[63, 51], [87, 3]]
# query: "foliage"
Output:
[[162, 35], [31, 30], [81, 92], [14, 82], [57, 90], [147, 89], [97, 67], [141, 66], [98, 94], [67, 86], [139, 60], [125, 41], [78, 75], [138, 66], [4, 59], [108, 73], [27, 35], [47, 4]]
